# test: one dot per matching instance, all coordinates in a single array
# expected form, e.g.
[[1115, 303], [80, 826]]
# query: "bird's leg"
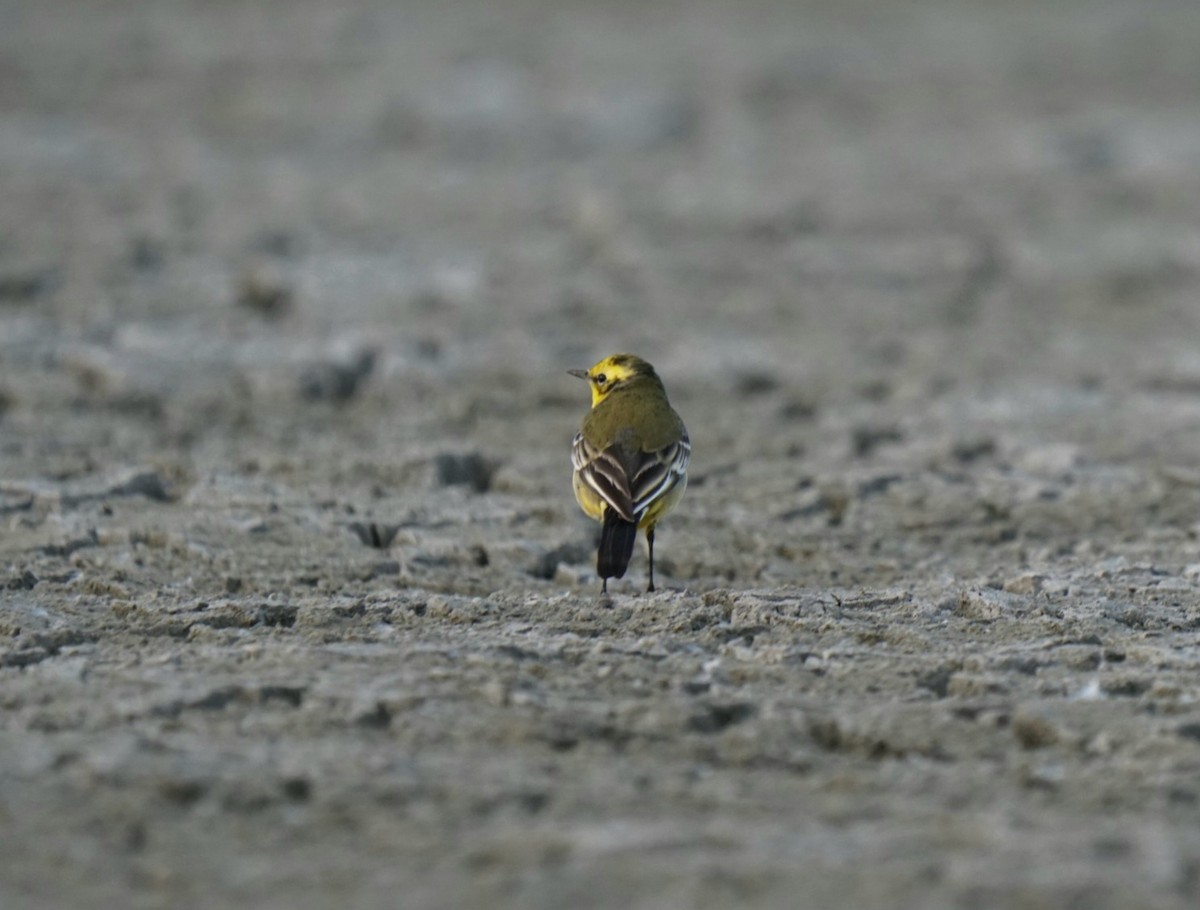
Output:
[[604, 586], [650, 541]]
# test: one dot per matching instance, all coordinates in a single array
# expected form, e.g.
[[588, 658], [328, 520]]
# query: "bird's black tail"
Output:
[[617, 538]]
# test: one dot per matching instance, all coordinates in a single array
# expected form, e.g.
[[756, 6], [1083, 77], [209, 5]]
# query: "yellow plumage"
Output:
[[630, 458]]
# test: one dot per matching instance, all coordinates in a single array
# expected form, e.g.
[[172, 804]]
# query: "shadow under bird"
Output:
[[630, 458]]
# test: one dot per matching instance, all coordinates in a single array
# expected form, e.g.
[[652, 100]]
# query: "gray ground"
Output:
[[296, 608]]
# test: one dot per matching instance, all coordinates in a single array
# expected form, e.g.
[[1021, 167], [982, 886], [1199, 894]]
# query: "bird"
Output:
[[630, 459]]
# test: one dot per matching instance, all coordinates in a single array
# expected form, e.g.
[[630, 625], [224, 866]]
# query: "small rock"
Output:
[[69, 547], [966, 451], [1033, 731], [752, 383], [1100, 745], [183, 791], [798, 408], [264, 289], [876, 390], [571, 577], [717, 716], [316, 616], [990, 604], [936, 681], [94, 369], [1161, 690], [1126, 686], [876, 485], [1081, 658], [337, 382], [24, 580], [375, 716], [496, 692], [296, 789], [385, 568], [974, 685], [470, 469], [1044, 777], [24, 657], [1053, 460], [835, 499], [142, 483], [866, 439], [1028, 583], [146, 254], [218, 698], [20, 286], [1189, 731]]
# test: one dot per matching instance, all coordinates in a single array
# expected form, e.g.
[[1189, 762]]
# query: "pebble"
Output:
[[990, 604], [1034, 731], [337, 381], [1028, 583], [264, 289], [467, 468]]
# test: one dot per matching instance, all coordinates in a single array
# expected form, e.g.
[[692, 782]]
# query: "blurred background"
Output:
[[201, 189]]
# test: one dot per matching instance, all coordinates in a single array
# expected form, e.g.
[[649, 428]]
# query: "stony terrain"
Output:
[[296, 608]]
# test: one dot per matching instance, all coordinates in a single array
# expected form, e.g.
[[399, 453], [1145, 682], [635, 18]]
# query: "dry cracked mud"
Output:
[[296, 608]]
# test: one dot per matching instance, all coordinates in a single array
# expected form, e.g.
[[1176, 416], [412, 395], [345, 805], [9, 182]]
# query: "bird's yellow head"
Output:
[[615, 372]]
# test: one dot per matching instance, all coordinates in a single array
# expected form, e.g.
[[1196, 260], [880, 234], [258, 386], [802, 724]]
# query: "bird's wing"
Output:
[[604, 473], [658, 473]]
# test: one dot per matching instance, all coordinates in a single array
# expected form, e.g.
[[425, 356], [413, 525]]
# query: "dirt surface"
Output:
[[296, 608]]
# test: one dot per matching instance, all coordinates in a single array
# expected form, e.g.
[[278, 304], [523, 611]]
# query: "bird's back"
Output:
[[637, 418]]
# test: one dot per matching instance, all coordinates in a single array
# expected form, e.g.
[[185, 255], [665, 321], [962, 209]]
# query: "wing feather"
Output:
[[604, 474], [656, 474]]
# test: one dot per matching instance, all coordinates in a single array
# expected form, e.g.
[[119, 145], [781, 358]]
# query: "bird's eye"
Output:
[[601, 379]]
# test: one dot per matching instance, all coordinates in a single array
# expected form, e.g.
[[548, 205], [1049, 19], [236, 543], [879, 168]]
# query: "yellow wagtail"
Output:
[[630, 458]]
